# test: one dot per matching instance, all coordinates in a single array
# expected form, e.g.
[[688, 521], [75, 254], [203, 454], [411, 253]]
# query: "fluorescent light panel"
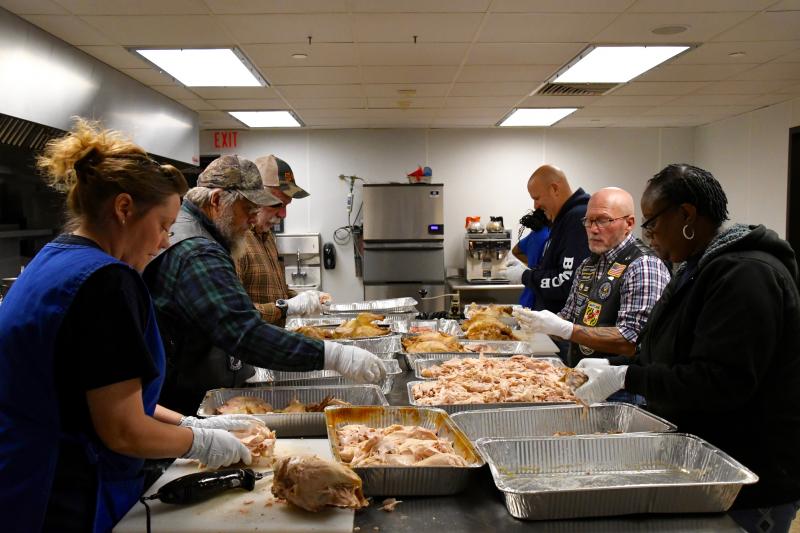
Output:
[[266, 119], [617, 64], [207, 67], [537, 117]]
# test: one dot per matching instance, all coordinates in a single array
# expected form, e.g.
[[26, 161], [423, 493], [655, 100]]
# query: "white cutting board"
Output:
[[540, 343], [228, 512]]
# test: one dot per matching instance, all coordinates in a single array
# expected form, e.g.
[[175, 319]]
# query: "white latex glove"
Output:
[[304, 304], [592, 362], [602, 383], [514, 272], [229, 422], [354, 363], [216, 448], [543, 322]]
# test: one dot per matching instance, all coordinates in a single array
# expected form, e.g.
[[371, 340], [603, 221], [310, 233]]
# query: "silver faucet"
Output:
[[300, 274]]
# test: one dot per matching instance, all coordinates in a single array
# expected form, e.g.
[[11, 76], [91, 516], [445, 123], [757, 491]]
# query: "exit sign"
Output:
[[225, 139]]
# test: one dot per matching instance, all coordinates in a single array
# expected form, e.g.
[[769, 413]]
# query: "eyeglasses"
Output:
[[600, 222], [648, 224]]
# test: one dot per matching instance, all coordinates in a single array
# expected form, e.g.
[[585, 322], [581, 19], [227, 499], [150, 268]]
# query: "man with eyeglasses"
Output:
[[614, 289], [213, 335]]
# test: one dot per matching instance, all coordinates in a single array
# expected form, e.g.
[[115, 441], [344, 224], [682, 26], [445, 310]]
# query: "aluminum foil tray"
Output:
[[422, 364], [407, 480], [293, 323], [545, 421], [499, 349], [294, 424], [348, 341], [392, 305], [570, 477], [331, 377], [388, 318], [458, 407]]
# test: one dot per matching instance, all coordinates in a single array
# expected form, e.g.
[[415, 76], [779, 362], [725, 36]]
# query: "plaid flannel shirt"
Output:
[[263, 276], [642, 284], [196, 285]]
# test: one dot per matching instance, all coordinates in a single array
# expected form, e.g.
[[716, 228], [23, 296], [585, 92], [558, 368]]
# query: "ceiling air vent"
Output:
[[575, 89]]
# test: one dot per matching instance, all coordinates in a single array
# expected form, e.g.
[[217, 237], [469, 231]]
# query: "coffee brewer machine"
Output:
[[486, 252]]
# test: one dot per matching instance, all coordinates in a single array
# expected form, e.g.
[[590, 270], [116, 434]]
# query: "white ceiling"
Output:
[[473, 62]]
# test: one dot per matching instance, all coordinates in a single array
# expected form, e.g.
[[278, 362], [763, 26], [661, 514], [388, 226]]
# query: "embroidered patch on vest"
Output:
[[587, 273], [583, 288], [616, 270], [604, 291], [592, 313], [585, 350]]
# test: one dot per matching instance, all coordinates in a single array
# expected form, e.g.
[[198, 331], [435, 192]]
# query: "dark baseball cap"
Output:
[[234, 173], [276, 172]]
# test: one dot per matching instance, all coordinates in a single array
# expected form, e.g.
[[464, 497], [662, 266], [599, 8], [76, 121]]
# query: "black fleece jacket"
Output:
[[720, 357], [568, 246]]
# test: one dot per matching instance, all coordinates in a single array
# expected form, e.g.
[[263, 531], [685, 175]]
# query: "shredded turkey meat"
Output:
[[313, 483], [361, 445], [360, 327], [493, 380], [431, 342], [260, 440], [248, 405]]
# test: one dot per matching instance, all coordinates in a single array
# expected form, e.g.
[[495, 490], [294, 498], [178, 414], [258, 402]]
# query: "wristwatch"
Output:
[[283, 306]]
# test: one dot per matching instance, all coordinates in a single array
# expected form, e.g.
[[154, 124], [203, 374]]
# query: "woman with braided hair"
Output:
[[81, 359], [720, 354]]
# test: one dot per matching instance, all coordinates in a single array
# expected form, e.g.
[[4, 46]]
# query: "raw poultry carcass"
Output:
[[313, 483], [315, 333], [295, 406], [361, 326], [488, 328], [431, 342], [244, 405], [361, 445], [494, 310], [260, 440]]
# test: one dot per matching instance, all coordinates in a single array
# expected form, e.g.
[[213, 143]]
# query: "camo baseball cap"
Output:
[[234, 173], [275, 172]]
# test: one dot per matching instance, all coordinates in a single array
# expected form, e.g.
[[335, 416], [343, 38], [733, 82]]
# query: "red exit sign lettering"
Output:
[[225, 139]]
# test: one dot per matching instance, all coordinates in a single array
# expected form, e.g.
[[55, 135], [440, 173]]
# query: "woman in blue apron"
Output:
[[529, 249], [81, 360]]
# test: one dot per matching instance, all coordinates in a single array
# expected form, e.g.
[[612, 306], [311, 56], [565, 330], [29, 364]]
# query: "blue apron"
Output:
[[30, 318]]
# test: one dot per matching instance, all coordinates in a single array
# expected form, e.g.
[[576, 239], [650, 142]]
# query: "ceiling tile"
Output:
[[289, 28], [744, 87], [311, 75], [226, 7], [412, 102], [523, 53], [768, 99], [558, 101], [661, 122], [659, 87], [637, 28], [115, 56], [412, 54], [175, 92], [401, 74], [792, 57], [786, 5], [704, 110], [769, 26], [419, 6], [429, 28], [638, 100], [771, 71], [149, 76], [33, 7], [318, 114], [791, 89], [483, 73], [197, 104], [482, 101], [518, 89], [543, 28], [755, 52], [328, 103], [560, 6], [335, 123], [162, 30], [463, 122], [711, 100], [693, 72], [578, 122], [390, 90], [139, 7], [319, 54], [249, 104], [320, 91], [234, 92], [621, 111], [699, 6], [69, 28], [213, 115], [393, 114]]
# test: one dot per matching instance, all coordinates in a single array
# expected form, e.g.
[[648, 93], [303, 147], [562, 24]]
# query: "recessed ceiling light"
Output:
[[537, 116], [266, 119], [299, 56], [616, 64], [737, 54], [207, 67], [670, 30]]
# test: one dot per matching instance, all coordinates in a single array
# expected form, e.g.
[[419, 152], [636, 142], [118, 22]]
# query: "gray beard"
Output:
[[235, 239]]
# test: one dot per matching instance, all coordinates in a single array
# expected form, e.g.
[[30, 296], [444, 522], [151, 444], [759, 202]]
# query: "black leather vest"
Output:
[[599, 297]]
